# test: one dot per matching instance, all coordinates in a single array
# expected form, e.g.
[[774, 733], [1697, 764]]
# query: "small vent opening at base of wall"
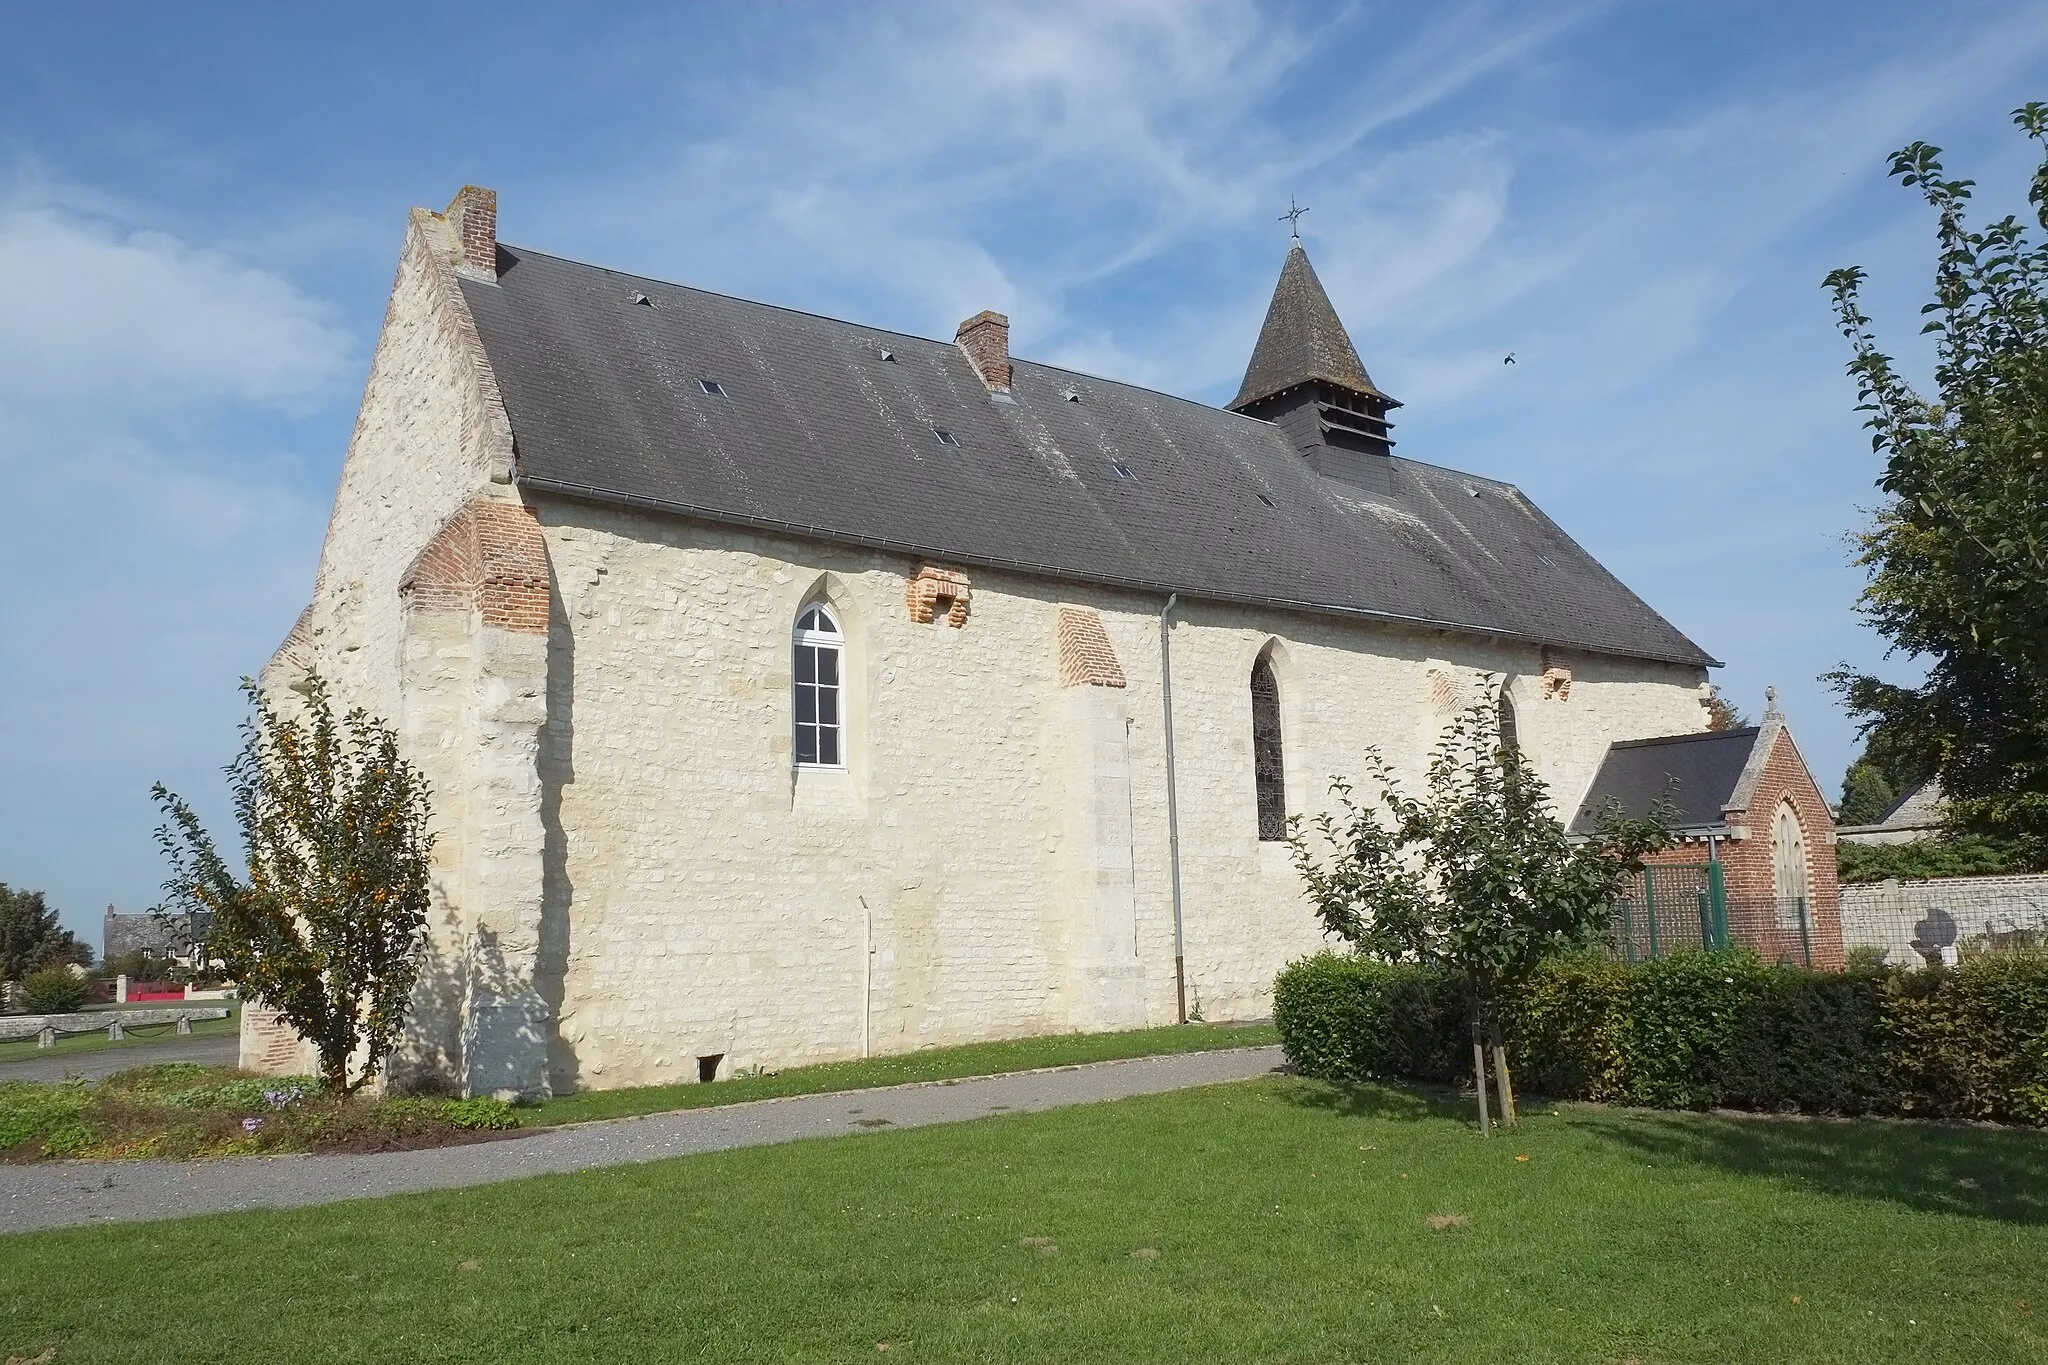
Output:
[[707, 1067]]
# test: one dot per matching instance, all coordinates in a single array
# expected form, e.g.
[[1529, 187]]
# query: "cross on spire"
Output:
[[1293, 217]]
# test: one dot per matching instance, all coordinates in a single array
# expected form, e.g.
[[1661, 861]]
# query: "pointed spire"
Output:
[[1302, 341]]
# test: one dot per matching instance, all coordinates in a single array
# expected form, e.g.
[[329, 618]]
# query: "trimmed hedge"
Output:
[[1695, 1030]]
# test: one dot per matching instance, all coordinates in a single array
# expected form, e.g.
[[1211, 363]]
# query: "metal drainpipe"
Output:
[[1180, 974]]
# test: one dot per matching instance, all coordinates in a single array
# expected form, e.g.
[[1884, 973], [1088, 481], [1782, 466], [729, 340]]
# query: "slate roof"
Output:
[[1698, 773], [1301, 339], [817, 434], [1919, 808]]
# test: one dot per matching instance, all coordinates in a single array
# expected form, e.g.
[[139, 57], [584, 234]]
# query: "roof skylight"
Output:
[[713, 387], [946, 438]]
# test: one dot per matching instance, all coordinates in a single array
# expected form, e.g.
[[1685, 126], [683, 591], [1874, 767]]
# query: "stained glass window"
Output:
[[1268, 770]]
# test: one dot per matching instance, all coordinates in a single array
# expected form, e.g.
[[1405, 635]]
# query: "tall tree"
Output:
[[326, 926], [1866, 794], [1475, 877], [30, 936], [1958, 553]]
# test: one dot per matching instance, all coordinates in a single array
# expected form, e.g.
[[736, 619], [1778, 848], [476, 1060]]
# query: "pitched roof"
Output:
[[1699, 774], [817, 433], [1922, 807], [1302, 339]]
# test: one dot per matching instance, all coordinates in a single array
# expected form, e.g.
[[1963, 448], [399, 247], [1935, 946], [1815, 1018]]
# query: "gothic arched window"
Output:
[[1268, 770], [817, 691], [1510, 738], [1788, 863]]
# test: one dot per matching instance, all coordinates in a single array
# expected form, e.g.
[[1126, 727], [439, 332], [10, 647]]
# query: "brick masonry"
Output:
[[488, 557], [1087, 658], [1747, 861], [985, 338], [933, 590]]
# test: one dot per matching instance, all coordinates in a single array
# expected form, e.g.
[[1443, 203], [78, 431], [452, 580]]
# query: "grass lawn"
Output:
[[26, 1050], [1291, 1222], [934, 1064]]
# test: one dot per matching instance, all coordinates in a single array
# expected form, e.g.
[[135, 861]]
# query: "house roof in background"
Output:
[[831, 430], [1696, 773], [1919, 808]]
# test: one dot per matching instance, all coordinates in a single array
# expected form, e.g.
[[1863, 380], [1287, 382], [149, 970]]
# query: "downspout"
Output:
[[1180, 974]]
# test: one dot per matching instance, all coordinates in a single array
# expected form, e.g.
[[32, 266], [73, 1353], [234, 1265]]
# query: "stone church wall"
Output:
[[430, 437], [961, 879]]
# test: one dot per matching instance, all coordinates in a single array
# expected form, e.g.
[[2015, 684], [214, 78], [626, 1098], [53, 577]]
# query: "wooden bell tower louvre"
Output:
[[1305, 378]]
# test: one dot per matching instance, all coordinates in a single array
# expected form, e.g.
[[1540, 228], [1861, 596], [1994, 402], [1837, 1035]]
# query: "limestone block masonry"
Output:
[[993, 859], [633, 881]]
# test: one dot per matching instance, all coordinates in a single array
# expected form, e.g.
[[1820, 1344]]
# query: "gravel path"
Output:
[[219, 1051], [72, 1192]]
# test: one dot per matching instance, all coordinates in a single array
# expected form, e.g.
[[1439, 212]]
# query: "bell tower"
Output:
[[1305, 378]]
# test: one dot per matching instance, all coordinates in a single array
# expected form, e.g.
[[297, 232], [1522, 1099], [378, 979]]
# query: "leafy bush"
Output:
[[1681, 1023], [1343, 1017], [1809, 1042], [480, 1114], [1697, 1029], [1568, 1025], [49, 1115], [1966, 855], [1972, 1042], [53, 990]]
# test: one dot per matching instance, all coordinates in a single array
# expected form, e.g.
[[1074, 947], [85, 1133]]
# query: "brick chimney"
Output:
[[473, 213], [985, 338]]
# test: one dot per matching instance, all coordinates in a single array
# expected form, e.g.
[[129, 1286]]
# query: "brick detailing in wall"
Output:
[[1557, 678], [932, 590], [985, 338], [1087, 659], [269, 1046], [1446, 693], [473, 213], [489, 556]]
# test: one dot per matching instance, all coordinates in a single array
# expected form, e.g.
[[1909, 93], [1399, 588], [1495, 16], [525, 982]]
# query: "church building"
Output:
[[794, 690]]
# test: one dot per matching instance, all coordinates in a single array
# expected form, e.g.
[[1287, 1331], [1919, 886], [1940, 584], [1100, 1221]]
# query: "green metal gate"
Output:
[[1666, 908]]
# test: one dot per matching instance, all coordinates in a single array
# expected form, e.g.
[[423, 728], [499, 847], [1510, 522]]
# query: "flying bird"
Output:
[[1508, 359]]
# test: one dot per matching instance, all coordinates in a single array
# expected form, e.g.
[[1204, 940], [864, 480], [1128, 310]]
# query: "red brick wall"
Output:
[[1748, 861], [1746, 864], [490, 556]]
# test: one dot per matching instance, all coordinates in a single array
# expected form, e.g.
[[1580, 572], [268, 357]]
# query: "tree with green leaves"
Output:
[[1957, 555], [1475, 878], [1866, 794], [31, 937], [326, 923], [1723, 714]]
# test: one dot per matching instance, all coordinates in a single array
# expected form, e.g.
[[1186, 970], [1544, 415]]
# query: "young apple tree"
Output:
[[1475, 878], [325, 924]]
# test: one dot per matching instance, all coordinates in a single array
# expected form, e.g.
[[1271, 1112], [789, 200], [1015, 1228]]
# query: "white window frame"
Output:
[[815, 644]]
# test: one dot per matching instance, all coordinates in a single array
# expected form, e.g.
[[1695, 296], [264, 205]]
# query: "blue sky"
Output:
[[200, 209]]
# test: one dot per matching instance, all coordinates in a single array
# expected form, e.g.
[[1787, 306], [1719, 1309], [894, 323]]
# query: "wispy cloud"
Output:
[[134, 321]]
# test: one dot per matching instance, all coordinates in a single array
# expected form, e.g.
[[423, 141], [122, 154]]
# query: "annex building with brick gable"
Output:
[[795, 690], [1756, 843]]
